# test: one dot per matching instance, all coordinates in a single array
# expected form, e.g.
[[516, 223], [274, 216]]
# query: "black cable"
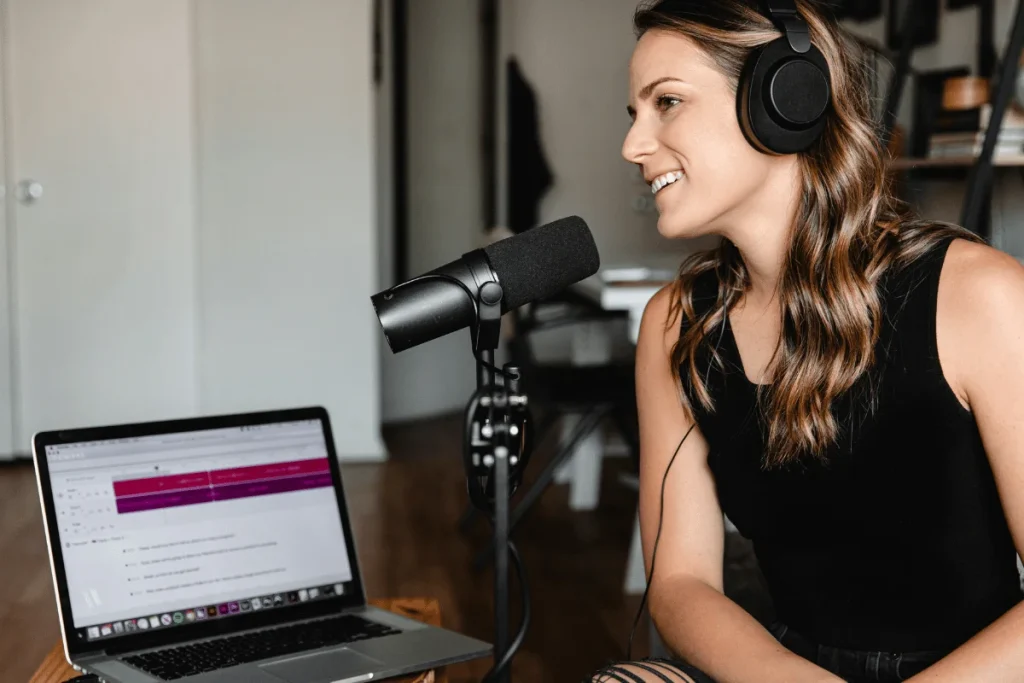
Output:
[[499, 667], [661, 511], [513, 647], [476, 312], [657, 537]]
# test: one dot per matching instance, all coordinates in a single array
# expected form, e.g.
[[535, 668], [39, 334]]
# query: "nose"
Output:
[[639, 144]]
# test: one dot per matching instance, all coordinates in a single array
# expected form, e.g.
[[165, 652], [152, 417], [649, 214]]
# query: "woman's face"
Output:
[[685, 130]]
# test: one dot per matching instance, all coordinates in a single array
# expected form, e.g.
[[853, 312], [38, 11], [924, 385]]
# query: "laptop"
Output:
[[217, 550]]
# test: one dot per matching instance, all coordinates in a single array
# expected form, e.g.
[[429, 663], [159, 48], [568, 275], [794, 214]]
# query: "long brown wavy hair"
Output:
[[850, 230]]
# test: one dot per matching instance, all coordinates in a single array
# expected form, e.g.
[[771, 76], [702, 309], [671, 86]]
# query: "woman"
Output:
[[853, 378]]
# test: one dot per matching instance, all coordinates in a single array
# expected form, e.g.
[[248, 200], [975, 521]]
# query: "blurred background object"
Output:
[[1020, 84]]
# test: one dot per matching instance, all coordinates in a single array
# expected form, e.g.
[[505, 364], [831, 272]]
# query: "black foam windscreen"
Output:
[[543, 261]]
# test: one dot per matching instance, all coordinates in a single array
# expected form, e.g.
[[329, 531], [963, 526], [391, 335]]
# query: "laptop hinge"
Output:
[[86, 658]]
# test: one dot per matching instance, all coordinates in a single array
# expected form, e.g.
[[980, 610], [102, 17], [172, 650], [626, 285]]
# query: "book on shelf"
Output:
[[973, 150], [975, 119], [1010, 142]]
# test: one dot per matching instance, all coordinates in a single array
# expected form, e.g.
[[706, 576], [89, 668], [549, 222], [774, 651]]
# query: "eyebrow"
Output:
[[646, 91]]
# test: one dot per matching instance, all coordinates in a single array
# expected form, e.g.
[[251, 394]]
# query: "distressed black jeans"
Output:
[[857, 666], [853, 666]]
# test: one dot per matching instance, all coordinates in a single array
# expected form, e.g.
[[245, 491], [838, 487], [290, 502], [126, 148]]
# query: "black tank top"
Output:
[[898, 541]]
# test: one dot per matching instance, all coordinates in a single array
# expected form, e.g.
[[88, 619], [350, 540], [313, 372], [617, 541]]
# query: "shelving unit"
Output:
[[905, 163], [973, 215]]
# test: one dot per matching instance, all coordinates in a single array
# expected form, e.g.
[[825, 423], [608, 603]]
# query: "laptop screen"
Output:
[[161, 531]]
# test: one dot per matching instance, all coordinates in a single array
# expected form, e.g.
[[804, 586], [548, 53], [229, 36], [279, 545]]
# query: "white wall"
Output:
[[575, 53], [384, 160], [287, 218], [7, 388], [445, 208]]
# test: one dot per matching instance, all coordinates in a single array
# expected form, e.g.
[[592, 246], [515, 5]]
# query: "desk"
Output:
[[55, 668], [631, 297]]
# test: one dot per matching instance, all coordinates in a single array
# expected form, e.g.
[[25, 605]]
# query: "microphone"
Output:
[[498, 278], [498, 426]]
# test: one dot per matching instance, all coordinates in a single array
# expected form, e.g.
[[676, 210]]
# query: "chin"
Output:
[[675, 228]]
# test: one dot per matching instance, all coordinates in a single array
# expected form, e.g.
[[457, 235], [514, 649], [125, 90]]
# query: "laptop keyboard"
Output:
[[210, 655]]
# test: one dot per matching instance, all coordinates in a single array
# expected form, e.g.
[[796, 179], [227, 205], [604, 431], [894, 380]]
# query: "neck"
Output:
[[762, 233]]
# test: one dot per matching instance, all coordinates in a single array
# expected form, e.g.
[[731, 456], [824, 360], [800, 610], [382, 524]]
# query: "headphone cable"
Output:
[[654, 552], [661, 511]]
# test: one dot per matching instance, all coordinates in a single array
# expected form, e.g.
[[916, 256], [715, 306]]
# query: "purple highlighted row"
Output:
[[212, 494]]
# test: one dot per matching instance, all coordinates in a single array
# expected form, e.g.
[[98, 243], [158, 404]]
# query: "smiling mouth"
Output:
[[665, 180]]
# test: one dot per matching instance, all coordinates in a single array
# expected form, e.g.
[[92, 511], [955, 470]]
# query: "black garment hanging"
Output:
[[529, 175]]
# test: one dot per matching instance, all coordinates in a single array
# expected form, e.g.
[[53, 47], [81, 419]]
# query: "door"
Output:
[[6, 383], [101, 163]]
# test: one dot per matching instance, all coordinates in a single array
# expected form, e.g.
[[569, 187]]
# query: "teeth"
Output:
[[666, 179]]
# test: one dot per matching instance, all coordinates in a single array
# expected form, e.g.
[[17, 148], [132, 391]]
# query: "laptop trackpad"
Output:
[[335, 665]]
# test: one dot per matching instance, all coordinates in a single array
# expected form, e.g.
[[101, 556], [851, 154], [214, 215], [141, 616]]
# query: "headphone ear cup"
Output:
[[783, 98]]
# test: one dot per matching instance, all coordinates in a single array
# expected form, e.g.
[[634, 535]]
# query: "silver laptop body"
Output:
[[215, 550]]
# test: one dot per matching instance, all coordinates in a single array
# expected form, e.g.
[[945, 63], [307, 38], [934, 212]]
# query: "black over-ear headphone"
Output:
[[785, 88]]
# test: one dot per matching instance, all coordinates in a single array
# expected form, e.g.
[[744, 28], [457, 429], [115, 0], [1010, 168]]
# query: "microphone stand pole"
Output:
[[485, 378], [495, 452]]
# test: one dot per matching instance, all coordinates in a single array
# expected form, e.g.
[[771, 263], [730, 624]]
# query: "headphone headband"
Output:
[[785, 16]]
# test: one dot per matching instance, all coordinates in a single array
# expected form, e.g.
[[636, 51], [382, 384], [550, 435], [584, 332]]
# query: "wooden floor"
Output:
[[404, 518]]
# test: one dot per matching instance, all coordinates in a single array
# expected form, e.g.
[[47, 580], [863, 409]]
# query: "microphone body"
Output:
[[425, 309], [527, 267]]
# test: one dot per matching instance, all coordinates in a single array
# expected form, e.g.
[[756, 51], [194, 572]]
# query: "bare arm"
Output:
[[687, 602], [980, 329]]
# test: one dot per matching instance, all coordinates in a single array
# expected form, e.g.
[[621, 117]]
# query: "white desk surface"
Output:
[[620, 296]]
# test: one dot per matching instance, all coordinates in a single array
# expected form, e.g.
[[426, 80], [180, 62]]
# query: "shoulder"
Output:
[[663, 315], [659, 326], [980, 311], [980, 284]]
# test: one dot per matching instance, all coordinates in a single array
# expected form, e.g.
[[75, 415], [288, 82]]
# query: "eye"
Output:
[[666, 102]]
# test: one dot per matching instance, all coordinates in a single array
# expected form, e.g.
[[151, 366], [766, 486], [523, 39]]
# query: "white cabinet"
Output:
[[204, 240]]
